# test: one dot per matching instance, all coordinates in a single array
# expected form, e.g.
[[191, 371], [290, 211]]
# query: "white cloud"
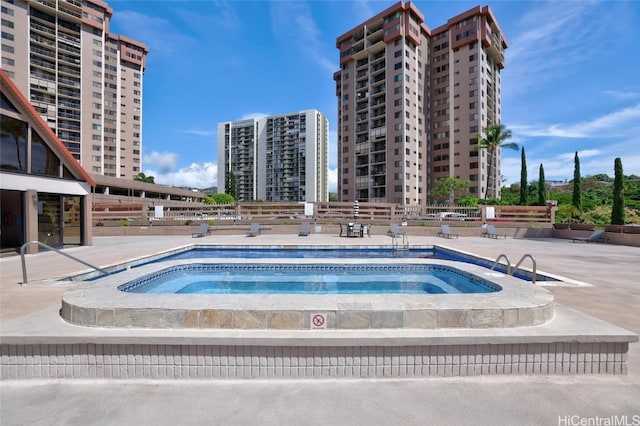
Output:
[[561, 166], [616, 123], [293, 22], [196, 175], [197, 132], [333, 147], [623, 94], [157, 33], [332, 180], [556, 36], [362, 10], [254, 115], [162, 161]]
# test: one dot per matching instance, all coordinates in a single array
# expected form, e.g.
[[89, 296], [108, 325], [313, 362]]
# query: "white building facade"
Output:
[[275, 158]]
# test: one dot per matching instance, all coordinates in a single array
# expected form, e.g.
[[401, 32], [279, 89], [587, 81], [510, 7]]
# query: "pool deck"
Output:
[[603, 283]]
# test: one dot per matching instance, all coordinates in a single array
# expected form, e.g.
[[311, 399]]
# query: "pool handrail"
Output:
[[40, 243]]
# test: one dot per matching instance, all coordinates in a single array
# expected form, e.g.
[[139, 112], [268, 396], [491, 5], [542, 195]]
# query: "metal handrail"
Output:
[[505, 258], [24, 265], [405, 241], [533, 260]]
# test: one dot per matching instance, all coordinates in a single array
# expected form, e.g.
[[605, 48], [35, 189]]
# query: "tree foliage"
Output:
[[220, 199], [576, 200], [494, 138], [617, 211], [450, 189], [230, 184], [523, 179], [141, 177], [597, 199], [542, 187]]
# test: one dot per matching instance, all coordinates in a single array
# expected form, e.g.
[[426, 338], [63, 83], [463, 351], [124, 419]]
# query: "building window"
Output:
[[14, 144]]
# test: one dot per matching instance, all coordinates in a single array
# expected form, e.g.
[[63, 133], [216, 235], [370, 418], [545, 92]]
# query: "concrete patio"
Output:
[[602, 282]]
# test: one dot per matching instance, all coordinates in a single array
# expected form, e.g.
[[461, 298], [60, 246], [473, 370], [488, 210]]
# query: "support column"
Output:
[[87, 222], [30, 209]]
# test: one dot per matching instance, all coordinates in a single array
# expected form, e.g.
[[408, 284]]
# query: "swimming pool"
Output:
[[310, 279], [101, 303], [198, 251]]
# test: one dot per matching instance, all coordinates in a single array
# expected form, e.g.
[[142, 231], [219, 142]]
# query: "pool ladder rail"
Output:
[[405, 241], [24, 264], [511, 270]]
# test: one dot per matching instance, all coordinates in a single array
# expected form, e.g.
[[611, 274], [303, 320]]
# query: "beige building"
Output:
[[85, 82], [276, 158], [45, 194], [411, 101]]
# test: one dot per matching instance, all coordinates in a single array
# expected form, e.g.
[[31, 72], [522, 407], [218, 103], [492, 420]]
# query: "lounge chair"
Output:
[[597, 236], [445, 232], [491, 232], [254, 230], [305, 229], [202, 231]]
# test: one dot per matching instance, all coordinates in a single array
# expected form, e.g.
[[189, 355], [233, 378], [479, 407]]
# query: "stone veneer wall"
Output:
[[148, 361]]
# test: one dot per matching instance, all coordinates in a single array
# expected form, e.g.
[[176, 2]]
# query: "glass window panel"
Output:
[[13, 149], [43, 160]]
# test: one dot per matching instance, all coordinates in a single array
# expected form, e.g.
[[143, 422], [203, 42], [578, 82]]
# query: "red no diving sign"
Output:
[[318, 320]]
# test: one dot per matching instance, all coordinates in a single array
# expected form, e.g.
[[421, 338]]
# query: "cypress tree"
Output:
[[577, 185], [542, 188], [617, 213], [523, 179]]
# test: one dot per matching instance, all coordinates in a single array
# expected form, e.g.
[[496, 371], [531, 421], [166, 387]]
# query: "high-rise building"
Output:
[[411, 102], [85, 82], [275, 158]]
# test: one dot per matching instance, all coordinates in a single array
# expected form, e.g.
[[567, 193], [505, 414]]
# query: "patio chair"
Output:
[[202, 231], [366, 230], [597, 236], [445, 232], [254, 230], [343, 230], [305, 229], [491, 232]]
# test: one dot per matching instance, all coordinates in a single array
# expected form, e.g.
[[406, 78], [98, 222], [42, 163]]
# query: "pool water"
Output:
[[299, 253], [310, 279]]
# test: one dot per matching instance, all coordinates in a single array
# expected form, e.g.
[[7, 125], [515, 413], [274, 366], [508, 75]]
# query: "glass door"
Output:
[[72, 211], [49, 229]]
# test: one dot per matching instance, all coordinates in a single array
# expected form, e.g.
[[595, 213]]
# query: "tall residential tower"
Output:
[[85, 82], [411, 102], [275, 158]]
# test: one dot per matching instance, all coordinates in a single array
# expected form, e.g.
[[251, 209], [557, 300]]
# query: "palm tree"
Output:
[[495, 138], [141, 177]]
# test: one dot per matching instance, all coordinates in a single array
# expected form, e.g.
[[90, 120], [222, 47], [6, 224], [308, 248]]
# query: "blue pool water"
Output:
[[310, 279], [299, 253], [344, 253]]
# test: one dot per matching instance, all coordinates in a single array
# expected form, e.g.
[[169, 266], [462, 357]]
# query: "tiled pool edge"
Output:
[[518, 304]]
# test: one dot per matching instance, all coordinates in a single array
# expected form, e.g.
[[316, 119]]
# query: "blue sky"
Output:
[[571, 81]]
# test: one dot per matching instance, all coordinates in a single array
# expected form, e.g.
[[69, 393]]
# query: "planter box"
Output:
[[560, 226]]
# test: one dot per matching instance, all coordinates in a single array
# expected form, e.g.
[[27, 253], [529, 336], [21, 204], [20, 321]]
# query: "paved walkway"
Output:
[[604, 284]]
